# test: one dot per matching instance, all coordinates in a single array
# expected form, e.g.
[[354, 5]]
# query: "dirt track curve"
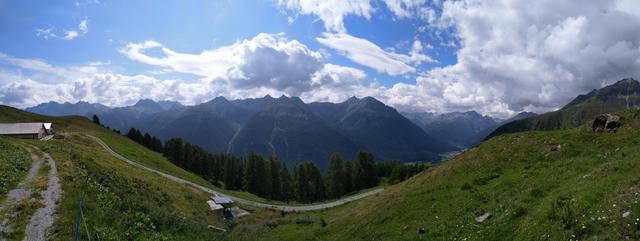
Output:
[[285, 208]]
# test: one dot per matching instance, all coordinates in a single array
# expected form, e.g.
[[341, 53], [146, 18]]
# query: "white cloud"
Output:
[[360, 50], [267, 60], [331, 12], [266, 64], [45, 33], [512, 55], [366, 53], [71, 34], [519, 55], [405, 8], [83, 28]]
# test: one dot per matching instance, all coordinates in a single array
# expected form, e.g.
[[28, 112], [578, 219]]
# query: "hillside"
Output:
[[618, 96], [557, 185], [120, 202], [239, 126]]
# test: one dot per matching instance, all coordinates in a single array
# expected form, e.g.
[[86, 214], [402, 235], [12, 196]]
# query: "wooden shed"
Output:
[[24, 130]]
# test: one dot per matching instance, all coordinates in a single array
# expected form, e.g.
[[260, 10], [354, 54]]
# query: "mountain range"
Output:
[[621, 95], [285, 127], [460, 129]]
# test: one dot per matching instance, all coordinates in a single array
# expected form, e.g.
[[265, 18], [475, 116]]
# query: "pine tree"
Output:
[[131, 134], [276, 179], [187, 156], [96, 120], [174, 151], [302, 183], [398, 174], [146, 140], [364, 171], [251, 179], [264, 177], [288, 191], [230, 173], [335, 178], [316, 182], [348, 176]]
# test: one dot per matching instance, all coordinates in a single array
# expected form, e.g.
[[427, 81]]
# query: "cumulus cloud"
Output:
[[518, 55], [405, 8], [265, 64], [267, 60], [512, 56], [331, 12], [366, 53]]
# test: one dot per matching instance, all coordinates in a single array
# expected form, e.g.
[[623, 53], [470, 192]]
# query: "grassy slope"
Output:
[[14, 163], [570, 116], [120, 144], [533, 190], [121, 202]]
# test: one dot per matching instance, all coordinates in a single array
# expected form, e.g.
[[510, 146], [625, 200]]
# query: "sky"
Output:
[[497, 57]]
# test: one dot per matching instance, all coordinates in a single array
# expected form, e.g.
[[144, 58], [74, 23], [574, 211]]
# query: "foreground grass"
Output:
[[121, 202], [559, 185], [14, 164]]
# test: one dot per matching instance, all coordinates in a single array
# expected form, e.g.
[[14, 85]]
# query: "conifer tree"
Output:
[[335, 176]]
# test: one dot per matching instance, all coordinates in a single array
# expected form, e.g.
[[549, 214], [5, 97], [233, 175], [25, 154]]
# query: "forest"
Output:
[[271, 178]]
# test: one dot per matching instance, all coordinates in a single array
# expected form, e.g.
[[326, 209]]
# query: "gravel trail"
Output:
[[17, 195], [44, 217]]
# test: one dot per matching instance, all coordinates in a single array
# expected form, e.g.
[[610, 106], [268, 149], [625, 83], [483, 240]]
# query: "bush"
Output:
[[562, 210]]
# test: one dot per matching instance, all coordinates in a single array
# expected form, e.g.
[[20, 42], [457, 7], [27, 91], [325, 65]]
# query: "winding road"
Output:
[[285, 208]]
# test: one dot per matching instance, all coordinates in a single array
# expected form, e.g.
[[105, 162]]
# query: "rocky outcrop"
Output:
[[606, 122]]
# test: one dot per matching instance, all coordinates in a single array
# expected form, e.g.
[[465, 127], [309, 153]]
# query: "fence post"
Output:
[[78, 218]]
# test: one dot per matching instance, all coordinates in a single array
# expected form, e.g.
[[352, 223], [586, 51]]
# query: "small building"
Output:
[[48, 128], [224, 201], [24, 130], [216, 208]]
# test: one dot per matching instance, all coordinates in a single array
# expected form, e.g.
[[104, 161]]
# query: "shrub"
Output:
[[562, 210]]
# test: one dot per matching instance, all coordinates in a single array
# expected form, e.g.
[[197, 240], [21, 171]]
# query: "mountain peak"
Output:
[[144, 102], [219, 99], [370, 101], [622, 87], [626, 81]]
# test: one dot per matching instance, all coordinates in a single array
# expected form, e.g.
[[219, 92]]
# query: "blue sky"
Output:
[[495, 57], [190, 27]]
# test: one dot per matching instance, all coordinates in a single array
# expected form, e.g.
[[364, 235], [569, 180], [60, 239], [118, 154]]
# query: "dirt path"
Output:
[[285, 208], [45, 216], [17, 195]]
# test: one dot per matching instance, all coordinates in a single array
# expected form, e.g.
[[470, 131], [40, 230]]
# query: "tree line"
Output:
[[271, 178]]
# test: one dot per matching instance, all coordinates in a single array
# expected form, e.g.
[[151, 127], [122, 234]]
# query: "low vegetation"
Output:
[[14, 163], [123, 203], [556, 185]]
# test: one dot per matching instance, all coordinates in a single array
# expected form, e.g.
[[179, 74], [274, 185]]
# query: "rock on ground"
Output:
[[483, 217]]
